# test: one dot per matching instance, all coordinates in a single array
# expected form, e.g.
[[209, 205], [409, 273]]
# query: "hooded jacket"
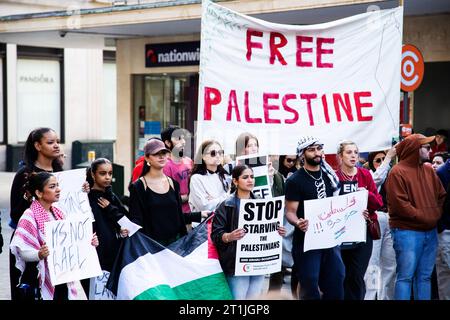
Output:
[[415, 195]]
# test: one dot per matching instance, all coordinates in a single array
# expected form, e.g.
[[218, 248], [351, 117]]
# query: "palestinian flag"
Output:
[[259, 167], [188, 269]]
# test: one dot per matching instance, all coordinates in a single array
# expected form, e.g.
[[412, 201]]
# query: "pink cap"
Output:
[[153, 146]]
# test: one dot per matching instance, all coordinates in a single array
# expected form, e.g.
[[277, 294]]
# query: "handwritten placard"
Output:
[[335, 220], [72, 257], [98, 290], [73, 200]]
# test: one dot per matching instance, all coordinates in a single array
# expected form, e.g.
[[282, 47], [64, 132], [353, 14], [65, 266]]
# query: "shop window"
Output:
[[40, 90], [160, 101]]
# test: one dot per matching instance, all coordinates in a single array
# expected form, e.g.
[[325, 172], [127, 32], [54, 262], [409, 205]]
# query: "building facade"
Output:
[[150, 97]]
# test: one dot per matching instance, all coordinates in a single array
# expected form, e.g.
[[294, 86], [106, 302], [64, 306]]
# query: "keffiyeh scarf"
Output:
[[30, 234]]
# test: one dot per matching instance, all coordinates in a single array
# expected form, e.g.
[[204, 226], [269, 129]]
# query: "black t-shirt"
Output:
[[301, 186]]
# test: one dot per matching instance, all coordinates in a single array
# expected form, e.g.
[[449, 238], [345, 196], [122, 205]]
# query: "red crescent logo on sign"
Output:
[[246, 268], [412, 68]]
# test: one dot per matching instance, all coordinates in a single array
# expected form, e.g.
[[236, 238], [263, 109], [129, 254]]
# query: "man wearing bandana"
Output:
[[320, 269]]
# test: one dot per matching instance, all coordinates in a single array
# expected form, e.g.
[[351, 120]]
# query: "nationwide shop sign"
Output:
[[335, 80], [172, 54]]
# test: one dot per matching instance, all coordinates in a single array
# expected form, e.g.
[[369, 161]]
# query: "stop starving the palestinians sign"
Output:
[[334, 80]]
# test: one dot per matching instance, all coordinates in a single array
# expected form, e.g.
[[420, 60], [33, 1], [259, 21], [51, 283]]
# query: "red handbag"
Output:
[[374, 227]]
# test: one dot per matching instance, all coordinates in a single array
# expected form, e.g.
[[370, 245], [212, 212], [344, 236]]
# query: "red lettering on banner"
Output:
[[359, 105], [308, 98], [284, 101], [321, 51], [301, 49], [325, 108], [232, 104], [275, 46], [212, 96], [247, 111], [337, 99], [250, 44], [289, 111], [267, 107]]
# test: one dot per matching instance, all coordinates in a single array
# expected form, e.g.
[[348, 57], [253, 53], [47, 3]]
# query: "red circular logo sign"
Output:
[[412, 68]]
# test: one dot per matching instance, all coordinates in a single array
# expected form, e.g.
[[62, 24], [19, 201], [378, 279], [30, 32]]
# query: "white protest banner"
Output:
[[73, 200], [335, 220], [332, 80], [72, 257], [98, 290], [260, 169], [259, 251]]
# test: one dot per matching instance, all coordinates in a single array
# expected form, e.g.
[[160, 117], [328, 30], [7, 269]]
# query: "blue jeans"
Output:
[[415, 255], [245, 287]]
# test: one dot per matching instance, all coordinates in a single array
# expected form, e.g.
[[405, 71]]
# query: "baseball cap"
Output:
[[153, 146]]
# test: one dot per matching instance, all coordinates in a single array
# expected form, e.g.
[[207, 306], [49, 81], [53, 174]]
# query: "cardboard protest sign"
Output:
[[335, 220], [259, 251], [73, 200], [72, 257]]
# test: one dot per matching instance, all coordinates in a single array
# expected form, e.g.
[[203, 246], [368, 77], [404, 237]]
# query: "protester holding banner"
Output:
[[155, 202], [29, 240], [316, 269], [41, 154], [380, 274], [208, 184], [225, 233], [415, 201], [178, 166], [247, 144], [356, 256], [107, 210]]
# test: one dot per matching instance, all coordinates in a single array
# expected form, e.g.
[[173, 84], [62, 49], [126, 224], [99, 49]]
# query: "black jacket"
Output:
[[106, 226], [225, 220]]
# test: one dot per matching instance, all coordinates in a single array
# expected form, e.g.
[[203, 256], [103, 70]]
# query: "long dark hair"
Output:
[[93, 169], [36, 181], [236, 173], [283, 169], [200, 165], [31, 154], [371, 157]]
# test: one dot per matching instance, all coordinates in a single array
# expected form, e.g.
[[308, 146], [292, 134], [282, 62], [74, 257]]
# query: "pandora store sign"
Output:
[[172, 54]]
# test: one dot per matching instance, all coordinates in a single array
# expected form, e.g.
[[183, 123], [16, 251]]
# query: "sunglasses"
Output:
[[378, 160], [288, 160], [428, 147], [214, 153]]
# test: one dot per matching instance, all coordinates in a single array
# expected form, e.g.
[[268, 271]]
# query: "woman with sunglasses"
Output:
[[356, 255], [380, 274], [208, 184], [287, 165], [225, 233]]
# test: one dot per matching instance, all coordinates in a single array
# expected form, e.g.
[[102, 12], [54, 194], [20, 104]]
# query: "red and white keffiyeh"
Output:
[[30, 234]]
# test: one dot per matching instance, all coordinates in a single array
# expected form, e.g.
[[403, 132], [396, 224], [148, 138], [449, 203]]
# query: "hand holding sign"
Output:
[[43, 252]]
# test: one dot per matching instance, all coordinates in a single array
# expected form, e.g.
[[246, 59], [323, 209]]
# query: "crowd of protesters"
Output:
[[408, 187]]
